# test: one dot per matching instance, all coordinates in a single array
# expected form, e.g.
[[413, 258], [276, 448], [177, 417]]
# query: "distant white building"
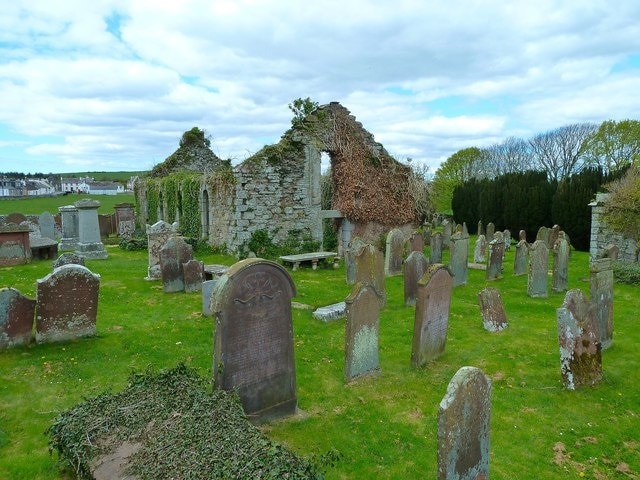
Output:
[[39, 187], [105, 188], [12, 187], [75, 185]]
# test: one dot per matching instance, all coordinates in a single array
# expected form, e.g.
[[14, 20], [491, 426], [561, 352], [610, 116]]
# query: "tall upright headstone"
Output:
[[69, 220], [447, 231], [560, 276], [362, 331], [464, 419], [89, 242], [394, 253], [66, 304], [173, 255], [459, 258], [415, 266], [490, 231], [492, 309], [431, 322], [416, 242], [352, 250], [370, 270], [602, 297], [554, 234], [496, 255], [157, 236], [253, 340], [435, 255], [543, 235], [520, 261], [480, 250], [580, 350], [193, 271], [507, 239], [47, 225], [480, 228], [125, 219], [538, 279], [16, 318]]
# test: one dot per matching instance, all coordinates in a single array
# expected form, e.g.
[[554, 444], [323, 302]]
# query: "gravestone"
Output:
[[253, 339], [507, 239], [459, 258], [89, 243], [394, 253], [522, 235], [157, 236], [490, 232], [207, 291], [370, 270], [193, 271], [496, 255], [66, 304], [554, 234], [416, 242], [464, 417], [175, 253], [580, 350], [426, 236], [447, 230], [465, 230], [415, 266], [330, 313], [537, 281], [435, 255], [521, 259], [352, 251], [67, 258], [611, 251], [15, 246], [560, 277], [493, 317], [361, 339], [543, 235], [431, 315], [480, 250], [480, 228], [47, 225], [69, 219], [125, 220], [601, 280], [16, 218], [16, 318]]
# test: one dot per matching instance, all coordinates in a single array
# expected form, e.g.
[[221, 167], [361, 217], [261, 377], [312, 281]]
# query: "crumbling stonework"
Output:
[[601, 236]]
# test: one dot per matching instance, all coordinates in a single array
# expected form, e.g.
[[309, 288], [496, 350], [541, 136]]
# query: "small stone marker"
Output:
[[580, 350], [537, 282], [66, 304], [491, 230], [493, 317], [361, 339], [253, 340], [432, 315], [175, 253], [370, 270], [521, 259], [560, 278], [496, 255], [331, 312], [67, 258], [480, 250], [157, 236], [193, 271], [435, 255], [464, 419], [416, 242], [16, 318], [415, 266], [207, 291], [601, 280], [459, 258], [394, 253]]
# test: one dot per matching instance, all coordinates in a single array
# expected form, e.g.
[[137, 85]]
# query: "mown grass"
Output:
[[384, 426], [37, 205]]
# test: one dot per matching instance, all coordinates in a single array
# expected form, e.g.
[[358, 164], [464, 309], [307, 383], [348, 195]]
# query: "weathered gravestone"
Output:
[[352, 251], [66, 304], [370, 271], [69, 219], [493, 317], [543, 235], [480, 228], [415, 266], [522, 235], [490, 232], [125, 220], [459, 258], [554, 234], [480, 250], [175, 253], [432, 315], [435, 255], [560, 276], [611, 251], [447, 230], [537, 282], [601, 279], [361, 338], [465, 230], [253, 340], [580, 350], [426, 235], [394, 253], [507, 239], [15, 247], [193, 271], [47, 225], [89, 242], [67, 258], [157, 236], [521, 258], [416, 242], [207, 291], [464, 427], [16, 318], [496, 255]]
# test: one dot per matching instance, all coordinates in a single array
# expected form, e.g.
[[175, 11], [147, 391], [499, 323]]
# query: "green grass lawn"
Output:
[[37, 205], [384, 426]]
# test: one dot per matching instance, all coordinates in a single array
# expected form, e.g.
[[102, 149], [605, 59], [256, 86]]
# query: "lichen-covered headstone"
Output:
[[507, 239], [480, 250], [157, 236], [522, 235], [16, 318], [370, 270], [416, 242], [538, 279], [69, 219], [173, 255], [543, 235], [361, 338], [464, 419], [435, 255], [520, 261], [415, 266], [193, 271], [601, 279], [67, 258], [253, 340], [490, 232], [431, 322], [560, 277], [47, 225], [207, 291], [580, 350], [66, 304], [496, 255], [355, 246], [492, 310], [394, 253], [125, 219], [459, 258]]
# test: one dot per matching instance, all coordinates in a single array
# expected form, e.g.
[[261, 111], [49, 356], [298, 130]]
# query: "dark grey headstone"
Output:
[[415, 266], [370, 270], [480, 250], [253, 341], [560, 278], [16, 318], [490, 232], [602, 298], [580, 350], [538, 280], [69, 220], [47, 225], [496, 255], [436, 248], [520, 261], [361, 339], [432, 315], [464, 419], [459, 258], [67, 258], [493, 317], [447, 231], [67, 304], [394, 253], [193, 271], [175, 253]]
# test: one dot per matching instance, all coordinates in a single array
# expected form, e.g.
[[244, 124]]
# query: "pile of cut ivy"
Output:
[[182, 429]]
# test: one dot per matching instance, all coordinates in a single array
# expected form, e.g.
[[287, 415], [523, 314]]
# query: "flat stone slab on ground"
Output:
[[331, 312]]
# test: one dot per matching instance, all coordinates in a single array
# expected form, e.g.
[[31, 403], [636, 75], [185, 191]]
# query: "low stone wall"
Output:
[[601, 236]]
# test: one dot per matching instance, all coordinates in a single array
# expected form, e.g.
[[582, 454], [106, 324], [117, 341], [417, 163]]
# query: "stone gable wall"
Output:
[[601, 236]]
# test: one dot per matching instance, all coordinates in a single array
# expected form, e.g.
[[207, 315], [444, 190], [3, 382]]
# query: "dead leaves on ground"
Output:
[[597, 468]]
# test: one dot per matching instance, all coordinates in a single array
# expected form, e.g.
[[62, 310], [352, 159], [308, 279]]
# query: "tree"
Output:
[[460, 167], [559, 152], [615, 145], [195, 137], [301, 107], [622, 208], [510, 156]]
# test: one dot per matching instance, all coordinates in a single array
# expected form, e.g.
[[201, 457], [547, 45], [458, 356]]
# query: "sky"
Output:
[[111, 85]]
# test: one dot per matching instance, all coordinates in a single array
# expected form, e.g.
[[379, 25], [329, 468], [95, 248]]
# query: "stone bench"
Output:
[[313, 257]]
